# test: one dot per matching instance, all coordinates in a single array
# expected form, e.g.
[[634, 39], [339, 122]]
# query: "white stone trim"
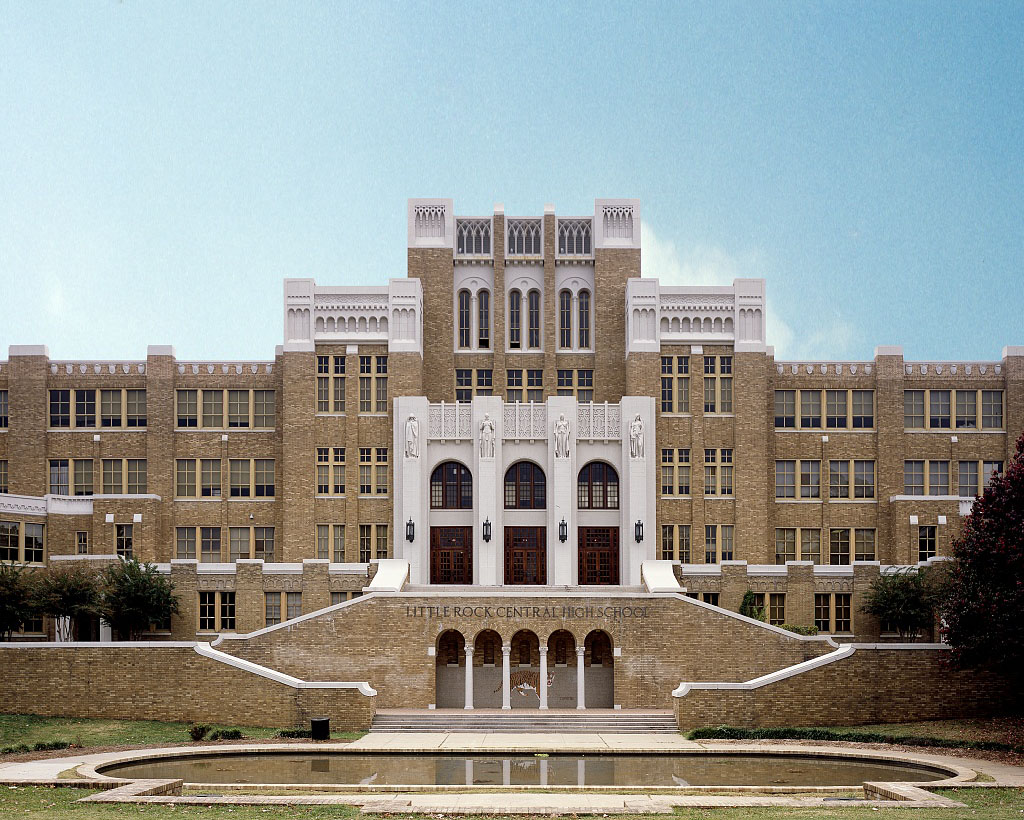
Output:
[[392, 576], [659, 576], [207, 651]]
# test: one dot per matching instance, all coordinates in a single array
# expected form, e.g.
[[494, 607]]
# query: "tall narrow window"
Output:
[[483, 302], [584, 313], [534, 311], [515, 308], [565, 319], [463, 318]]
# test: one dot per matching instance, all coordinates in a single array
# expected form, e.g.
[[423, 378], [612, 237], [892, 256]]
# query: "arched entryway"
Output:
[[524, 670], [450, 670], [561, 670], [487, 670], [599, 670]]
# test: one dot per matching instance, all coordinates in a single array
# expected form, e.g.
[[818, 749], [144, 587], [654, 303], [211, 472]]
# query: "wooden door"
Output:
[[451, 555], [525, 555], [599, 555]]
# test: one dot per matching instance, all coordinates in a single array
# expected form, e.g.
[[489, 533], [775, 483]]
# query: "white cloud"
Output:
[[706, 264]]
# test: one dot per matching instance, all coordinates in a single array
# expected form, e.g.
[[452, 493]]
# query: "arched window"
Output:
[[483, 300], [463, 318], [598, 487], [584, 309], [451, 487], [534, 306], [565, 319], [525, 487], [515, 307]]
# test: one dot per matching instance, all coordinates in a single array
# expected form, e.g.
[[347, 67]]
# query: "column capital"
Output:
[[469, 650], [543, 650], [581, 651], [506, 649]]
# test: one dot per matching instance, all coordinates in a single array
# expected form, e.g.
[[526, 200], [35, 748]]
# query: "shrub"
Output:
[[903, 599], [198, 731], [134, 596], [750, 608], [15, 599], [67, 592], [295, 733], [226, 734], [800, 630]]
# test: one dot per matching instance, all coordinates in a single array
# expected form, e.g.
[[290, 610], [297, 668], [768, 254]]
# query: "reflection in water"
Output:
[[524, 770]]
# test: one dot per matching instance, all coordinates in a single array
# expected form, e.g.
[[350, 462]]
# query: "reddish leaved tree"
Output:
[[984, 596]]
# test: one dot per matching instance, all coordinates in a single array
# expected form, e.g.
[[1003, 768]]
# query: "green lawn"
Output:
[[16, 730], [55, 804]]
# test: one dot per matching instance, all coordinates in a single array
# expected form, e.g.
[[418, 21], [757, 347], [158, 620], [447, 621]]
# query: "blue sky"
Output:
[[163, 166]]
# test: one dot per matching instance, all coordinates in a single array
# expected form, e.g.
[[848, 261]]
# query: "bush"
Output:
[[295, 733], [226, 734], [198, 731], [15, 599], [750, 608], [134, 596], [52, 745], [903, 599], [800, 630]]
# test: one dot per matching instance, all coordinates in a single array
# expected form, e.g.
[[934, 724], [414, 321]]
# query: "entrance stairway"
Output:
[[564, 721]]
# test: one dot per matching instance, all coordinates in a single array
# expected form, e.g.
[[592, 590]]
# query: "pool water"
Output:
[[637, 770]]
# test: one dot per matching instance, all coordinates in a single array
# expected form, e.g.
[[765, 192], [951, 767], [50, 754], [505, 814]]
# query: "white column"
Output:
[[506, 677], [581, 698], [469, 677], [469, 771], [506, 772], [543, 771], [542, 678]]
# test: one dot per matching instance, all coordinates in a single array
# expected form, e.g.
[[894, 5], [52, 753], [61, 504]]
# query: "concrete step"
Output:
[[524, 721]]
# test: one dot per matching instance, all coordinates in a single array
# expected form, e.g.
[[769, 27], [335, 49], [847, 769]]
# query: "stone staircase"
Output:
[[561, 721]]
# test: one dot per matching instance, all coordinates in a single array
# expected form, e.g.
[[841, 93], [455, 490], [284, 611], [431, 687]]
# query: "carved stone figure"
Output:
[[636, 438], [412, 437], [487, 437], [561, 437]]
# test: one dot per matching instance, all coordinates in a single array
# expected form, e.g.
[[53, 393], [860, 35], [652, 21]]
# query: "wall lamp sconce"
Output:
[[410, 531], [638, 531], [487, 529], [563, 531]]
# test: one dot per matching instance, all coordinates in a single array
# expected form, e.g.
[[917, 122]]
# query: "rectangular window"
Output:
[[124, 540], [382, 541], [9, 537], [82, 542], [263, 469], [263, 543], [864, 479], [323, 470], [835, 408], [365, 543], [185, 478], [213, 408], [938, 409], [726, 540], [227, 611], [710, 544], [839, 547], [514, 385], [810, 545], [810, 479], [938, 478], [725, 471], [238, 470], [339, 543], [913, 409], [968, 479], [710, 471], [863, 545], [207, 611], [684, 543], [823, 611], [777, 608], [110, 408], [294, 605], [34, 552], [585, 385], [59, 477], [844, 622], [381, 403], [210, 477], [135, 408], [238, 543], [85, 408], [966, 410], [991, 469], [668, 392], [238, 408], [926, 538], [839, 479], [463, 384], [992, 409], [209, 538], [273, 607], [863, 409], [785, 545], [365, 393], [725, 393], [710, 404], [264, 408], [323, 542], [785, 479], [810, 408], [113, 483], [5, 409], [668, 471], [381, 486], [137, 476], [668, 542], [323, 394], [60, 408], [188, 408], [913, 478], [535, 385], [185, 542], [4, 477], [785, 408]]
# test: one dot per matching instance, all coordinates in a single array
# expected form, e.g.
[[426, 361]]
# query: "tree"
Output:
[[66, 593], [750, 608], [984, 595], [134, 596], [904, 599], [15, 599]]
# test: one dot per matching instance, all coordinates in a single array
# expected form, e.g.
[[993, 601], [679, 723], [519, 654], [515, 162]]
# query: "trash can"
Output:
[[320, 728]]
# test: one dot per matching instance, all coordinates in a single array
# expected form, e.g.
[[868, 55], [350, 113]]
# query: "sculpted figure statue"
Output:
[[636, 438], [561, 437], [487, 437], [412, 437]]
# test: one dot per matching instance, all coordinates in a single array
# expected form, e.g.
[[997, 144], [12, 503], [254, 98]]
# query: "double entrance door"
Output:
[[599, 555], [526, 555], [451, 555]]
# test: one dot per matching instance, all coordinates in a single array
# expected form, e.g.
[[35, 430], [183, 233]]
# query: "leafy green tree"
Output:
[[984, 596], [66, 593], [15, 599], [134, 596], [750, 608], [904, 599]]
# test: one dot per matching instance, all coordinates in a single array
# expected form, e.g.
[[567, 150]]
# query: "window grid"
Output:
[[675, 471], [222, 409]]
